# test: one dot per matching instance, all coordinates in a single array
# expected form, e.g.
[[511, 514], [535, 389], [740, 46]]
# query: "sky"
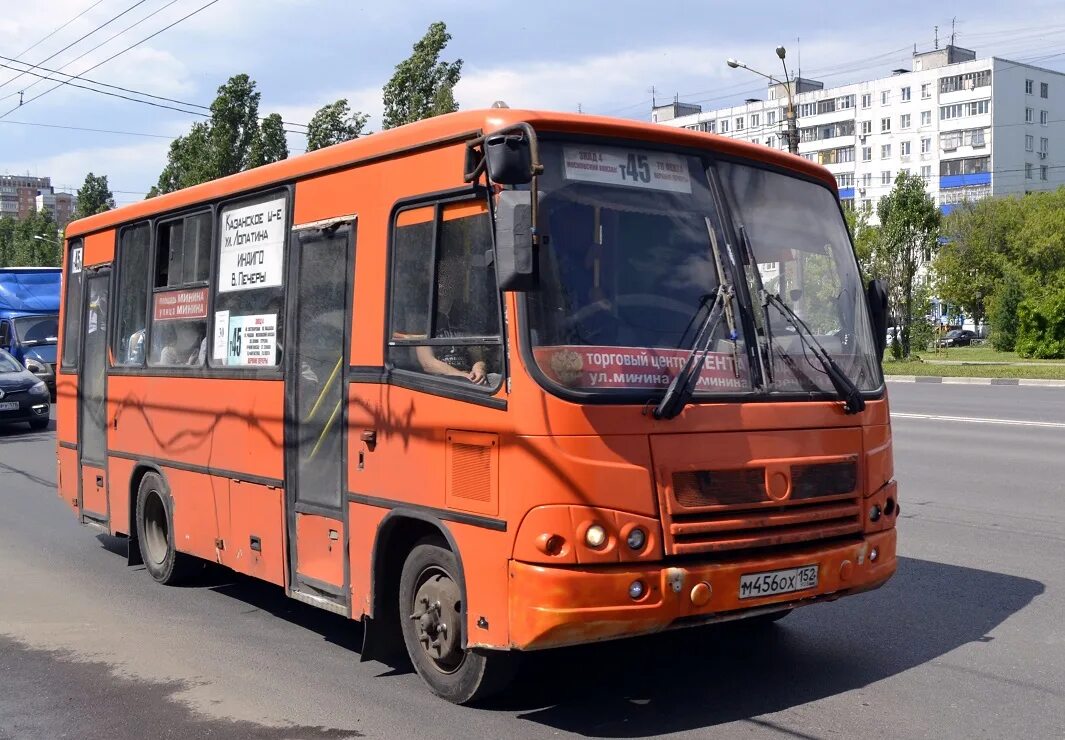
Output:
[[589, 55]]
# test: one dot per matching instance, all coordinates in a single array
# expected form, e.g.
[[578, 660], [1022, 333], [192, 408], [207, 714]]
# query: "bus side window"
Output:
[[179, 301], [72, 307], [445, 301], [131, 303]]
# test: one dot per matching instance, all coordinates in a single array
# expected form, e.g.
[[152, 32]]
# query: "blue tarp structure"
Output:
[[29, 289]]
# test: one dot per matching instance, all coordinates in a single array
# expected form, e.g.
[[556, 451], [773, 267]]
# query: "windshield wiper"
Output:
[[682, 387], [765, 353], [853, 402]]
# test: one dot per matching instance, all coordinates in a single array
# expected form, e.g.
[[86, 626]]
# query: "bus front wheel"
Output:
[[432, 618], [155, 534]]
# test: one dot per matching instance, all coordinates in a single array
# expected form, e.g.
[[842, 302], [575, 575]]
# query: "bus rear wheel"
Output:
[[155, 534], [432, 618]]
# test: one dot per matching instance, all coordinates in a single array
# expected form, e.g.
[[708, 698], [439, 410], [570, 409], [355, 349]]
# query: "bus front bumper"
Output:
[[552, 606]]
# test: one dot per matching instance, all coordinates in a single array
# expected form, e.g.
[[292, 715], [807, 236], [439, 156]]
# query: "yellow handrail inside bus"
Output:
[[325, 389], [325, 430]]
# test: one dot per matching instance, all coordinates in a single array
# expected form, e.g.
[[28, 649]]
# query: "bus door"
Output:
[[316, 370], [92, 398]]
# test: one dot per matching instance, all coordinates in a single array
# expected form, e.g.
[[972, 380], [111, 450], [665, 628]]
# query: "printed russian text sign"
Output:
[[634, 168], [587, 367], [253, 246], [180, 305], [252, 340]]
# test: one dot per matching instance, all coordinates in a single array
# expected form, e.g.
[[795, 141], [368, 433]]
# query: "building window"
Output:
[[1027, 170], [847, 101], [885, 124], [967, 81], [739, 123], [885, 151], [867, 100], [961, 110], [754, 120], [904, 120], [867, 179], [885, 177], [724, 125], [905, 93], [1029, 115], [1043, 117], [926, 118], [904, 148], [926, 172], [1029, 87], [867, 154], [926, 145], [845, 179], [885, 97], [1043, 172], [867, 128], [966, 166], [1044, 90], [771, 117], [1029, 143], [445, 319], [926, 91], [1044, 144], [826, 106], [807, 109]]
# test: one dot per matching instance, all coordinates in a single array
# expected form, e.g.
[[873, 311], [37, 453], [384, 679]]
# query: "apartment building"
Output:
[[22, 195], [970, 127]]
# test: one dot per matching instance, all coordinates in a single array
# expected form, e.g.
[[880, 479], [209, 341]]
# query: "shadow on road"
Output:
[[707, 676], [20, 431]]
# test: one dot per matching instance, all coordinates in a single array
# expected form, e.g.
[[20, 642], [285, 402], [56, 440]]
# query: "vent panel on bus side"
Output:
[[472, 477]]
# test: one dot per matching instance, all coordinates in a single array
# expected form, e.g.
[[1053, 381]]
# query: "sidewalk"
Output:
[[974, 381]]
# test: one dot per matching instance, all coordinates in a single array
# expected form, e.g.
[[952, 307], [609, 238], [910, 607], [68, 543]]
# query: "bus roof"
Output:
[[433, 132]]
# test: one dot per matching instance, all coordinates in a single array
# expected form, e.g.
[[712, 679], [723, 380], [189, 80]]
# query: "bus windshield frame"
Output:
[[747, 360]]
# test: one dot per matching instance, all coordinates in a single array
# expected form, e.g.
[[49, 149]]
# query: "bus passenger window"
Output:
[[132, 299], [179, 302], [453, 329]]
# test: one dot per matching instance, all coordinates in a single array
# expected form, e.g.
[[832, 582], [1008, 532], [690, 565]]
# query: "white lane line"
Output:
[[979, 420]]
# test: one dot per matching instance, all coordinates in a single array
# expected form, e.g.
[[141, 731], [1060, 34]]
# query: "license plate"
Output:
[[8, 405], [770, 583]]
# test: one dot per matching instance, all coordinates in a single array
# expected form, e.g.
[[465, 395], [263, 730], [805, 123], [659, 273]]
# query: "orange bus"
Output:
[[492, 382]]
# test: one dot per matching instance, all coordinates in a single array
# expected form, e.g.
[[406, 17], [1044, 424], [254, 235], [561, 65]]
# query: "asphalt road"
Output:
[[968, 640]]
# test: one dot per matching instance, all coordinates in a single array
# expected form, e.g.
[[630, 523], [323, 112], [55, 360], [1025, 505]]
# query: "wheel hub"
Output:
[[436, 613]]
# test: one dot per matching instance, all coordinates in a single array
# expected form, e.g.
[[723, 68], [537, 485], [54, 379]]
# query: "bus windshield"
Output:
[[637, 249], [633, 261]]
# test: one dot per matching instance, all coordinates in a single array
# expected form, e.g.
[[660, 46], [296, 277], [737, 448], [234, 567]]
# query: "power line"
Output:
[[75, 42], [94, 130], [33, 46], [106, 41]]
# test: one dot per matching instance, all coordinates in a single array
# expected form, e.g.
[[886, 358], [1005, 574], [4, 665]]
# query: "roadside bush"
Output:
[[922, 332], [1002, 314], [1041, 326]]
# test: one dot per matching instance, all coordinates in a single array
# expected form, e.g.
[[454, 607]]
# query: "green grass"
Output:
[[916, 367], [978, 354]]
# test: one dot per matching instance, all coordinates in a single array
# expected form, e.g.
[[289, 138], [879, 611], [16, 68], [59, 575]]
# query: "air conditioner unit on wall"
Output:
[[1042, 155]]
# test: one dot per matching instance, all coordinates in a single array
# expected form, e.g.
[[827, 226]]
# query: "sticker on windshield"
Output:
[[252, 339], [634, 168], [75, 260], [585, 367]]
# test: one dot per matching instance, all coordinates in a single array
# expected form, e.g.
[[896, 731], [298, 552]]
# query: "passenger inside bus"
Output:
[[181, 343]]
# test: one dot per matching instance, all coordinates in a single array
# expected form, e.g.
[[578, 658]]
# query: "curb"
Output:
[[974, 381]]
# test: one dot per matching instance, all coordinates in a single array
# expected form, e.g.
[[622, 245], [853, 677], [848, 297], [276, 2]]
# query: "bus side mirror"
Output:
[[517, 252], [876, 297], [508, 158]]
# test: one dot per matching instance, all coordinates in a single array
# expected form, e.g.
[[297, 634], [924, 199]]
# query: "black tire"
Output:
[[155, 535], [459, 675], [38, 424]]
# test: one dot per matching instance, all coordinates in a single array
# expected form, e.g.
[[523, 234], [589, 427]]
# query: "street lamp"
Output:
[[792, 133], [46, 240]]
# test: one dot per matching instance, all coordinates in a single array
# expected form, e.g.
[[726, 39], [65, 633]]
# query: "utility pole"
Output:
[[791, 134]]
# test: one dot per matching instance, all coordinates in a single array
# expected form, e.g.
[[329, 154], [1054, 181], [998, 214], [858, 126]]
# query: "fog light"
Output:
[[873, 555], [595, 537], [636, 590], [874, 513], [637, 539]]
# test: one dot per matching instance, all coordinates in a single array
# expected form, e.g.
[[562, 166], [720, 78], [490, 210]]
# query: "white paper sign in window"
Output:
[[252, 340], [634, 168], [252, 246]]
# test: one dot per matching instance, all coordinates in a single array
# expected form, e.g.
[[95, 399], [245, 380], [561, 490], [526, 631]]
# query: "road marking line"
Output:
[[979, 420]]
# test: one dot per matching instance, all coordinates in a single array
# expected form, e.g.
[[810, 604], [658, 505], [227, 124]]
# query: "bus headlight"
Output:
[[595, 537], [637, 539], [39, 389]]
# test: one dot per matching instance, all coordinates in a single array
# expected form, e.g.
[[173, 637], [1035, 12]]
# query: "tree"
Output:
[[333, 124], [270, 145], [188, 162], [421, 85], [20, 247], [94, 196], [909, 231]]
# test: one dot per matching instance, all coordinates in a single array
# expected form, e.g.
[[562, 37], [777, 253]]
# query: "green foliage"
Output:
[[866, 240], [271, 144], [1002, 313], [421, 85], [333, 124], [94, 196], [231, 141], [1041, 325], [909, 228], [20, 248]]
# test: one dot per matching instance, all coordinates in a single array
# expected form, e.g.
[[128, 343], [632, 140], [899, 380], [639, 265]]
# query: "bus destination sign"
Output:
[[634, 168], [253, 246]]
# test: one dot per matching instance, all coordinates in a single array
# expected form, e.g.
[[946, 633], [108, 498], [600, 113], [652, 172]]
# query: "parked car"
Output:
[[22, 396], [957, 338]]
